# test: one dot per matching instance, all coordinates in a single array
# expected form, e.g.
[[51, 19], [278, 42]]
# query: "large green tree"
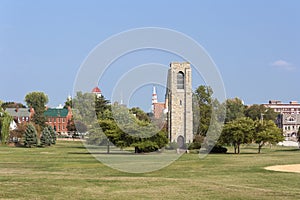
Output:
[[267, 132], [84, 108], [38, 101], [128, 131], [234, 109], [238, 131], [257, 112], [202, 109]]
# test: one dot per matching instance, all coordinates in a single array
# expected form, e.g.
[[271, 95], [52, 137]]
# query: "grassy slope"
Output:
[[67, 171]]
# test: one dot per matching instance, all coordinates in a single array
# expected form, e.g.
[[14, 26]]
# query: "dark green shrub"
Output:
[[218, 149]]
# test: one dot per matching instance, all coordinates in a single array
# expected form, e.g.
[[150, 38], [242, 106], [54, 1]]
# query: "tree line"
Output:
[[95, 114], [243, 124]]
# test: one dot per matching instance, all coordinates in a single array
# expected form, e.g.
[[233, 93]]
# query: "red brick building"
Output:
[[58, 118], [158, 110]]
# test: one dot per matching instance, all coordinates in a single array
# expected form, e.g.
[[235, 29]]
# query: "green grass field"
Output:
[[67, 171]]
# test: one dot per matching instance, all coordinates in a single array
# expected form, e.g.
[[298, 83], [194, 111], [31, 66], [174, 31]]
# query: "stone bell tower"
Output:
[[179, 103]]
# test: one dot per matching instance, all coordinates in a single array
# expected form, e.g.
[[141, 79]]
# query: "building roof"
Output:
[[279, 103], [56, 112], [18, 112], [96, 90]]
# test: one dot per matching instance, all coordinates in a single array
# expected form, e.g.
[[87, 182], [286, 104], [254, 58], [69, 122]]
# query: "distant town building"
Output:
[[58, 118], [97, 92], [288, 118], [289, 123], [284, 108], [20, 115], [157, 108]]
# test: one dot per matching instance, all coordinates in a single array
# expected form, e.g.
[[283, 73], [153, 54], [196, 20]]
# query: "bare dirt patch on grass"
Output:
[[285, 168]]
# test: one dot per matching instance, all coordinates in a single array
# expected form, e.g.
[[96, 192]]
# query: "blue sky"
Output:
[[255, 44]]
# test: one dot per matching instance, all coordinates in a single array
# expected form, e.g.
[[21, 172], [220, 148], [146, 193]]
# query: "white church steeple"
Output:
[[154, 95], [154, 98]]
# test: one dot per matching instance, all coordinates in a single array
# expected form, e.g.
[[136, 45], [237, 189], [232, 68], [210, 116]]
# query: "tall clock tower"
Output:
[[179, 103]]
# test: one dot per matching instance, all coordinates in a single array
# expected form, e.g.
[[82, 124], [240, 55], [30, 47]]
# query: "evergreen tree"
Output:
[[52, 135], [30, 136], [101, 105], [46, 137]]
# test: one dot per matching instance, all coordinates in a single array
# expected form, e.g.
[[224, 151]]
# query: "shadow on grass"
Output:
[[242, 153], [287, 150], [103, 153]]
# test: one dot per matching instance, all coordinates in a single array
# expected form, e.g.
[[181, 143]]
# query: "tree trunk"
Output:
[[238, 148], [259, 148]]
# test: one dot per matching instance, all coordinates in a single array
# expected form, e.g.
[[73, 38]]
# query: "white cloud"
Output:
[[282, 64]]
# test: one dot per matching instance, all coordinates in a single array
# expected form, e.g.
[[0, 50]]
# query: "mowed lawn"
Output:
[[67, 171]]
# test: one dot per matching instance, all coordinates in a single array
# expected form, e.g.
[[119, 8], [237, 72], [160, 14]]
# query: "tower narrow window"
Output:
[[180, 80]]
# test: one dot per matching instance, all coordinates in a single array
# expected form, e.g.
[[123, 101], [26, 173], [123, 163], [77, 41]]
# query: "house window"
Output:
[[63, 120], [180, 80]]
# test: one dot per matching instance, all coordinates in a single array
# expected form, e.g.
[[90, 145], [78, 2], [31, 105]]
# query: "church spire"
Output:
[[154, 98], [154, 95]]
